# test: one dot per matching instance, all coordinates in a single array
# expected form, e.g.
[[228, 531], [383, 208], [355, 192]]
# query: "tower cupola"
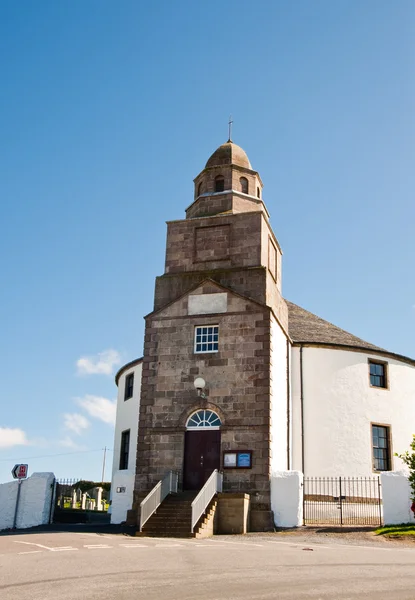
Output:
[[227, 184], [229, 154]]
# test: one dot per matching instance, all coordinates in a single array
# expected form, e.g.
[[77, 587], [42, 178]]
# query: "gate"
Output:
[[73, 505], [343, 501]]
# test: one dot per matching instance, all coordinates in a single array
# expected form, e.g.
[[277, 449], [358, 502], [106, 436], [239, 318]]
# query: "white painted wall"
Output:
[[126, 418], [34, 503], [396, 495], [339, 407], [121, 500], [296, 410], [287, 498], [278, 397]]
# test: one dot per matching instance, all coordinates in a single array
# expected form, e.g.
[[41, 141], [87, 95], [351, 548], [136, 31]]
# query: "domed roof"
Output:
[[229, 154]]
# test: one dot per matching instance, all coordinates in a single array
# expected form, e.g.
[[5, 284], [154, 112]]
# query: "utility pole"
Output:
[[103, 465]]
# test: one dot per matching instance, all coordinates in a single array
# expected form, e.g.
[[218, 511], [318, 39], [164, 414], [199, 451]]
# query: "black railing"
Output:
[[343, 501]]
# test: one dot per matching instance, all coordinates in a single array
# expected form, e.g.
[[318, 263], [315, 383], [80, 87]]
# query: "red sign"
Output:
[[20, 471]]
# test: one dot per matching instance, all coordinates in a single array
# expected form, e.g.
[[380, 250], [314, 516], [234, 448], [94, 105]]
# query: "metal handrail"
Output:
[[212, 486], [167, 485]]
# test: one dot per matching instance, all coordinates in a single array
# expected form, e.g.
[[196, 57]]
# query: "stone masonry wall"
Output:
[[248, 282], [238, 388], [244, 242], [231, 174]]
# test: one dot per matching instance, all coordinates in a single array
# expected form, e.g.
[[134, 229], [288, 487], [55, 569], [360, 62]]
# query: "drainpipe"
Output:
[[288, 409], [302, 408]]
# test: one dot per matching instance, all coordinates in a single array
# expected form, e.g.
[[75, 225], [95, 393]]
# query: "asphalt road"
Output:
[[88, 566]]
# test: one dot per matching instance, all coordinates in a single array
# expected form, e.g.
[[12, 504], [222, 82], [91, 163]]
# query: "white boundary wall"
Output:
[[34, 503], [287, 498], [396, 494], [121, 501]]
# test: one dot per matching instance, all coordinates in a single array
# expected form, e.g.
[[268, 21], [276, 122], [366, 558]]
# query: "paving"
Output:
[[300, 565]]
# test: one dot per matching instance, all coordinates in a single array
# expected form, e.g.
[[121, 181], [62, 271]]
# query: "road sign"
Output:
[[20, 471]]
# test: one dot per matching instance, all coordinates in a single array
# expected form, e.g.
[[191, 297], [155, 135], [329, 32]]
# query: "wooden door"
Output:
[[201, 457]]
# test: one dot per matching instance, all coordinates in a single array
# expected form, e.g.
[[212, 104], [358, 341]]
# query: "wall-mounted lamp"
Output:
[[199, 384]]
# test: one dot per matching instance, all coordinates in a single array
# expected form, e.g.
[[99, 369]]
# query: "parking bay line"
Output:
[[57, 549], [247, 543], [97, 546]]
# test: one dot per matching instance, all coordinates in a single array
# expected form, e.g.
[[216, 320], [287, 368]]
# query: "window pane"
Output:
[[206, 338], [204, 418], [380, 443]]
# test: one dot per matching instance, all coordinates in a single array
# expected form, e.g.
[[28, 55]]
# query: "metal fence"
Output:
[[343, 501]]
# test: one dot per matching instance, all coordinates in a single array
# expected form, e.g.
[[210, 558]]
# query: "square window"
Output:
[[378, 374], [206, 339]]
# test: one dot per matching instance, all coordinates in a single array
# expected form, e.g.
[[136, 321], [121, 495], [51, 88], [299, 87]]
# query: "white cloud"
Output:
[[75, 422], [12, 437], [67, 442], [98, 408], [102, 363]]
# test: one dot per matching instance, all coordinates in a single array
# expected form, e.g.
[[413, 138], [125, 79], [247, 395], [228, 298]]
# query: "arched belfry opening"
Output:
[[201, 448], [219, 183]]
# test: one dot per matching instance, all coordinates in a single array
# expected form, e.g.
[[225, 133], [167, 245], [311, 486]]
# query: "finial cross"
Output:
[[230, 128]]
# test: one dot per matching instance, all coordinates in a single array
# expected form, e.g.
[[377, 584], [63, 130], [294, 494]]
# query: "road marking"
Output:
[[97, 546], [133, 546], [208, 545], [57, 549], [33, 544], [95, 535], [31, 552], [247, 543]]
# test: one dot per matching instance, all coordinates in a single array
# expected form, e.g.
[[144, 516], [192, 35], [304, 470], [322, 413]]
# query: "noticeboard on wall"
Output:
[[240, 459]]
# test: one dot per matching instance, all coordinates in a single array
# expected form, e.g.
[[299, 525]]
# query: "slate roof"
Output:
[[305, 327]]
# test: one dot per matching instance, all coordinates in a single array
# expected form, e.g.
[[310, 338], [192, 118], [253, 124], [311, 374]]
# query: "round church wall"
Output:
[[350, 426]]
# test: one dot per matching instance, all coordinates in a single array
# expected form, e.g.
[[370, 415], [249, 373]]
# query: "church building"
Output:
[[237, 379]]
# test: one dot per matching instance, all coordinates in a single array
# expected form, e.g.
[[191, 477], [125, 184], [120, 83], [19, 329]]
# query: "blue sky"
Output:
[[108, 110]]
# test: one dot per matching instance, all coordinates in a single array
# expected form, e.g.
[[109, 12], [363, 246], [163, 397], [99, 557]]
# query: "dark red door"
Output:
[[201, 457]]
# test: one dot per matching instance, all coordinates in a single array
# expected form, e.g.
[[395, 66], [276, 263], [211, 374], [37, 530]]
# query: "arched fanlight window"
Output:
[[258, 192], [200, 188], [203, 419], [244, 185], [219, 183]]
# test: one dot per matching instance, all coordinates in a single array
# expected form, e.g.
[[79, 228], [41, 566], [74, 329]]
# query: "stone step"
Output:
[[173, 518]]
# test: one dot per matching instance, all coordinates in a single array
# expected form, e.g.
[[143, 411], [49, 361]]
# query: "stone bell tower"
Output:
[[218, 314]]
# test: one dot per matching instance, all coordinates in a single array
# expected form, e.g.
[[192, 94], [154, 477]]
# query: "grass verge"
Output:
[[403, 530]]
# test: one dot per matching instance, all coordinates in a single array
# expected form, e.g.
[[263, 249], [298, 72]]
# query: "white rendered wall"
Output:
[[339, 407], [122, 500], [296, 410], [287, 498], [396, 494], [126, 418], [34, 503], [278, 397]]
